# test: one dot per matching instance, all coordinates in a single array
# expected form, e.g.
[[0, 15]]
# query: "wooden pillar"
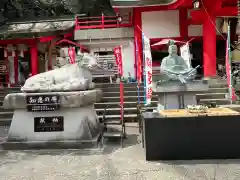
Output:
[[137, 22], [183, 23], [34, 59], [209, 41]]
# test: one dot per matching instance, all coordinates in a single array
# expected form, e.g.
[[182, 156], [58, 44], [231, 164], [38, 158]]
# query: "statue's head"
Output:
[[172, 49]]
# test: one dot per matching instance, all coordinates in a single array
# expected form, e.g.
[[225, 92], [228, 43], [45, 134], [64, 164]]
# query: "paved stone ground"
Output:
[[112, 163]]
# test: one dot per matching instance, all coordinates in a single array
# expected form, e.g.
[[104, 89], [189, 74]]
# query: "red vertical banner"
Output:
[[72, 55], [139, 63], [118, 56]]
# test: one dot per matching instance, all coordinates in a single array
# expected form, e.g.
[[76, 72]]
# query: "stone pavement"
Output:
[[111, 163]]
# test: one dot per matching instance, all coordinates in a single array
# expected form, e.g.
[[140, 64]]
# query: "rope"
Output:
[[214, 24]]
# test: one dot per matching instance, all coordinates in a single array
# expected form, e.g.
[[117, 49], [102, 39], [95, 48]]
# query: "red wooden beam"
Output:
[[47, 38], [17, 41], [227, 11], [194, 22], [183, 19], [72, 43]]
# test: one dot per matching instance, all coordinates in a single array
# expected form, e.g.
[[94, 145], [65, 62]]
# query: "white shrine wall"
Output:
[[161, 24], [165, 24], [129, 59]]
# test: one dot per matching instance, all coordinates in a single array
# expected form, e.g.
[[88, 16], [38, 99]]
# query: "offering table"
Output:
[[181, 135]]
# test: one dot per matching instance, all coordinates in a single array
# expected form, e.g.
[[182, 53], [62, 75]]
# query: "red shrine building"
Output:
[[34, 46]]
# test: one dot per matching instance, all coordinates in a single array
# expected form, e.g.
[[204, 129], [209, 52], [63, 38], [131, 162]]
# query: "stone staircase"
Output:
[[111, 99], [218, 93]]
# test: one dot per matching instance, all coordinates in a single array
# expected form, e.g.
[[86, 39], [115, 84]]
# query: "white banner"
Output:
[[147, 70], [185, 54]]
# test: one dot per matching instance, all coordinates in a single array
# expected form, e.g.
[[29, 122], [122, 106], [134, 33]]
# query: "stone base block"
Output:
[[81, 128]]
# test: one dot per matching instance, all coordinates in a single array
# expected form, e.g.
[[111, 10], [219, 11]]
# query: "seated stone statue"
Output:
[[70, 77], [174, 67]]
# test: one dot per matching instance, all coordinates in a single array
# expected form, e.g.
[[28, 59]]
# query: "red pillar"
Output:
[[209, 43], [183, 20], [34, 59], [137, 23]]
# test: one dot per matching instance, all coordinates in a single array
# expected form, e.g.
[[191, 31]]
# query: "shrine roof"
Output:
[[35, 29], [140, 3]]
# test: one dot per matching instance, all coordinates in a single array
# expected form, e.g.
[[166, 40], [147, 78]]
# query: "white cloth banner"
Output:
[[185, 54], [147, 70]]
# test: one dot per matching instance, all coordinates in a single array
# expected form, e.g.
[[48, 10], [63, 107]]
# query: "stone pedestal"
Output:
[[68, 122], [175, 95]]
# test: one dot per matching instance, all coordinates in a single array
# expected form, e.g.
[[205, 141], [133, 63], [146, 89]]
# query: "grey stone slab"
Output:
[[175, 86]]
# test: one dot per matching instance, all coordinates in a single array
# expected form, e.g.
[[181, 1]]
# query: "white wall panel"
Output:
[[161, 24]]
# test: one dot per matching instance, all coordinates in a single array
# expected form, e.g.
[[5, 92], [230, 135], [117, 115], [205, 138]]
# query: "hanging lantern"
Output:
[[13, 52], [5, 53], [196, 4], [21, 53]]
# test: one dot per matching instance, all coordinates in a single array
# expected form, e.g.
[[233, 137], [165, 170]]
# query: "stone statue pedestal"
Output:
[[175, 95], [53, 120]]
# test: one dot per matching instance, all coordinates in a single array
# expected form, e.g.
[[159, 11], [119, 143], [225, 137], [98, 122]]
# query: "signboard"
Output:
[[185, 54], [147, 70], [49, 124], [118, 56], [43, 102]]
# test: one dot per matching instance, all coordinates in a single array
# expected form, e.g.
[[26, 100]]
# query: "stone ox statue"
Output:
[[72, 83], [70, 77]]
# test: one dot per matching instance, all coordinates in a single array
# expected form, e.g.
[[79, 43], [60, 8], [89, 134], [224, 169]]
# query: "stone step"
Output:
[[211, 96], [217, 101], [127, 117], [126, 98], [218, 85], [5, 121], [116, 104], [112, 121], [106, 85], [218, 90], [116, 111], [6, 114], [4, 93], [135, 92], [109, 135], [126, 93], [5, 110], [216, 80], [116, 89]]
